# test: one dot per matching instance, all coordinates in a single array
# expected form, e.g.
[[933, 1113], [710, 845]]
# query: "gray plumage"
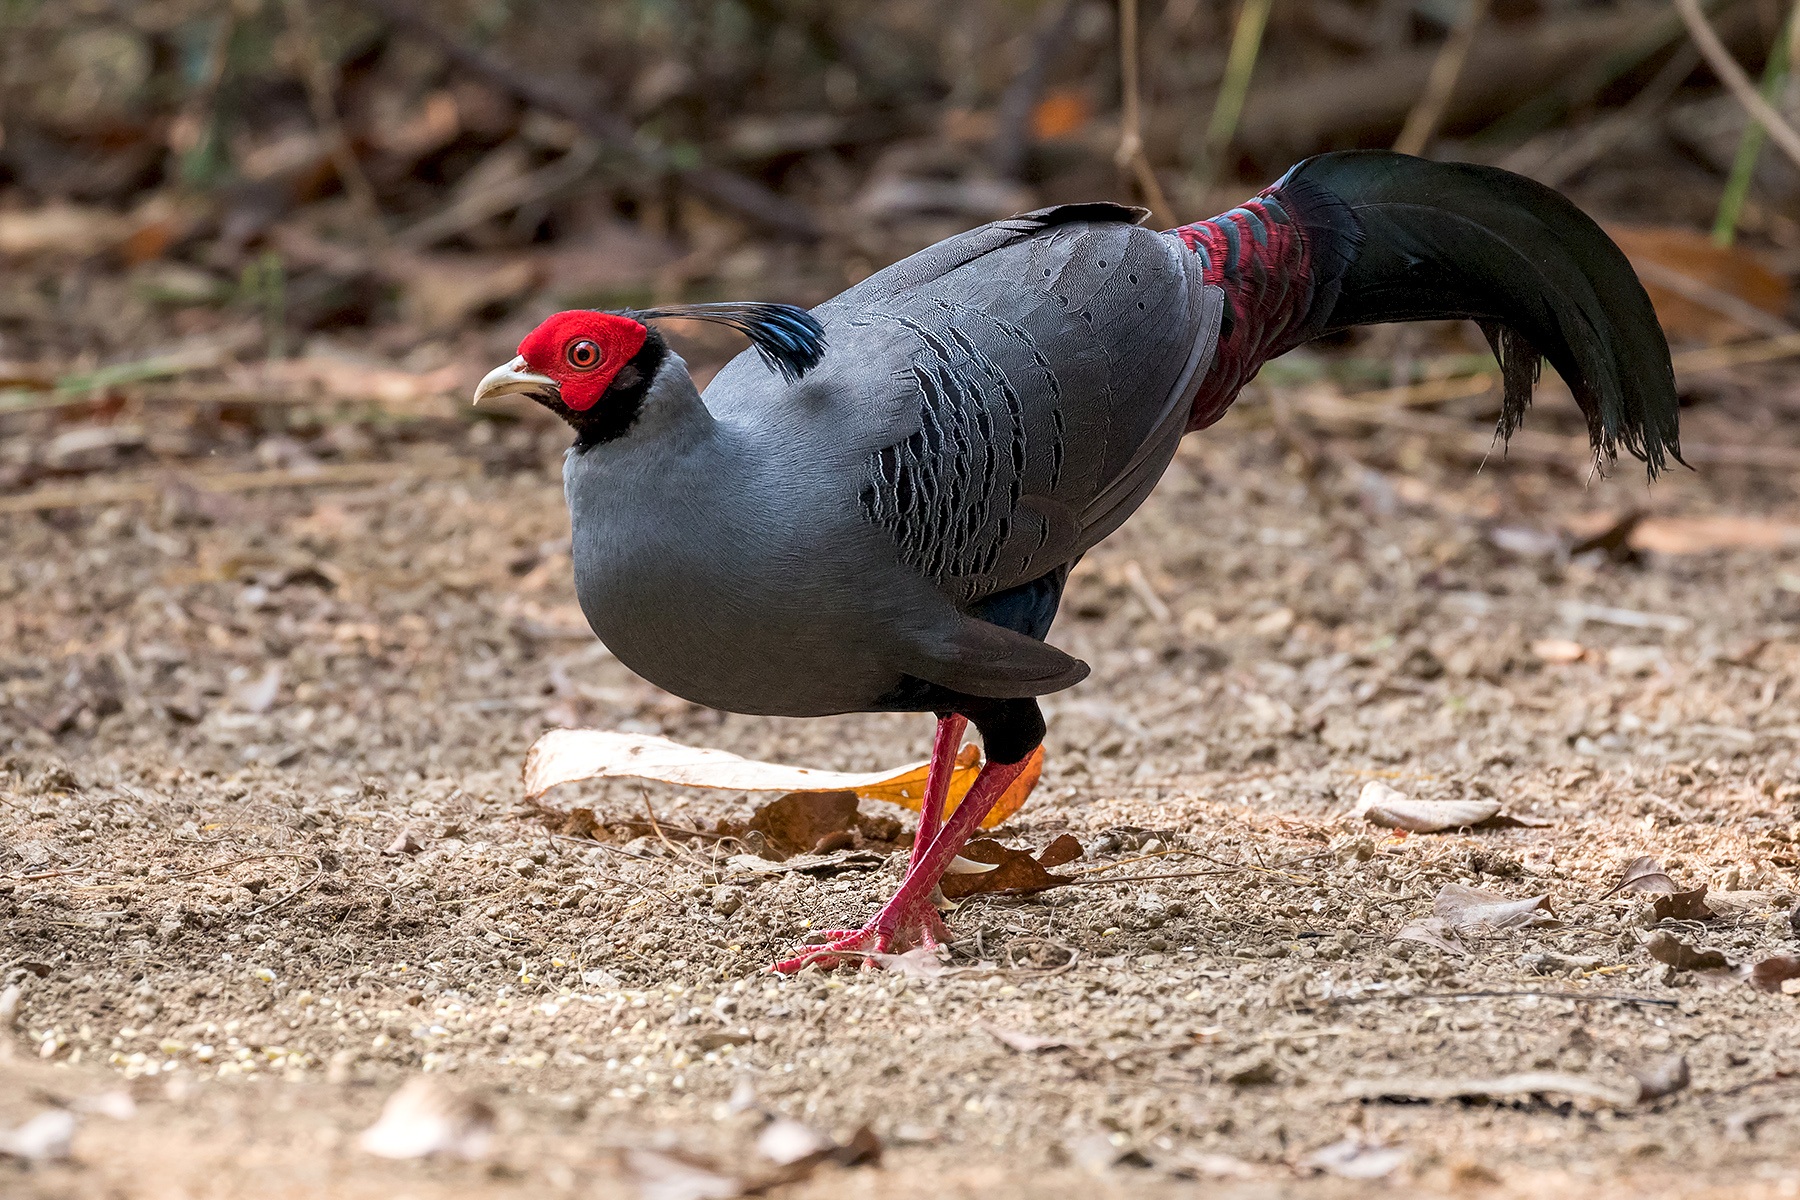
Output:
[[986, 411]]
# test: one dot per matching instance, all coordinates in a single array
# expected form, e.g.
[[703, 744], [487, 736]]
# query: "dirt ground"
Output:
[[221, 708]]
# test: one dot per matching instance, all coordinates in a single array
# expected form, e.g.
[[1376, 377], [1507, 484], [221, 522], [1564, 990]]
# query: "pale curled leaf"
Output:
[[43, 1138], [571, 755], [662, 1176], [426, 1117], [1382, 805], [785, 1141], [1433, 931], [1473, 910], [1643, 874], [1353, 1158]]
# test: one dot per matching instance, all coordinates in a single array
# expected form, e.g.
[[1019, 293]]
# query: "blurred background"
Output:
[[297, 229]]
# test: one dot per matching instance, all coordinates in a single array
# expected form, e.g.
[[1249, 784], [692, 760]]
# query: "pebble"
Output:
[[727, 900]]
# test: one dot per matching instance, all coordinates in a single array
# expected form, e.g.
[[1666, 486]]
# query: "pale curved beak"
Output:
[[514, 379]]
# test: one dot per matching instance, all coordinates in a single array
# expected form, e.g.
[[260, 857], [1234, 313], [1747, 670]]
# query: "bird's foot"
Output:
[[904, 924]]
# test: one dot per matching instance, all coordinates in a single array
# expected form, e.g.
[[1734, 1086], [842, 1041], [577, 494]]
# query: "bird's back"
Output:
[[1001, 401]]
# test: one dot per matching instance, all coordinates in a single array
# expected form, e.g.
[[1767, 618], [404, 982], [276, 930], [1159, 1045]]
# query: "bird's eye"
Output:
[[584, 355]]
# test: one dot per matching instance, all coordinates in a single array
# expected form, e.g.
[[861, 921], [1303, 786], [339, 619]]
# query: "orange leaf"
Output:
[[1668, 255], [1061, 112]]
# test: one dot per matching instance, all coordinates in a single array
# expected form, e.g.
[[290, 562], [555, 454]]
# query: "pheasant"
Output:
[[877, 506]]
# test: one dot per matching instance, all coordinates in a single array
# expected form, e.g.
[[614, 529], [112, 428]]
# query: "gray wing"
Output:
[[1035, 388]]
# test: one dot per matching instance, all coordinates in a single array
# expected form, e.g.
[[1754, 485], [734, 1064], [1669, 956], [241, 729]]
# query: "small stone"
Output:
[[524, 866], [727, 900]]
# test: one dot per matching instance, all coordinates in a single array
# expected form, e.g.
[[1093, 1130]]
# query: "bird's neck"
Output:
[[654, 400]]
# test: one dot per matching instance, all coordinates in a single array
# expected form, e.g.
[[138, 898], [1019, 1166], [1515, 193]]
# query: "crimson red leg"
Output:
[[908, 919], [937, 784]]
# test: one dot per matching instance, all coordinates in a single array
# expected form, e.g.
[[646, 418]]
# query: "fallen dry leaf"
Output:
[[1014, 871], [1433, 931], [426, 1117], [403, 843], [661, 1176], [1353, 1158], [1024, 1043], [1382, 805], [1475, 910], [1683, 906], [1663, 1078], [1665, 947], [1677, 262], [1702, 535], [1771, 974], [1065, 849], [1196, 1165], [570, 755], [799, 821], [1530, 1083], [1643, 874]]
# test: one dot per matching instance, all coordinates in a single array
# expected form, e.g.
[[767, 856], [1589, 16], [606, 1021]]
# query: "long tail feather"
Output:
[[1430, 240]]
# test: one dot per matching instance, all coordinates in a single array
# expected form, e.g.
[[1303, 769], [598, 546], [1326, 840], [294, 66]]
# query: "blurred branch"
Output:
[[1131, 122], [1240, 65], [1422, 123], [1012, 132], [1607, 132], [1735, 81], [321, 93], [469, 211], [742, 195], [1743, 167]]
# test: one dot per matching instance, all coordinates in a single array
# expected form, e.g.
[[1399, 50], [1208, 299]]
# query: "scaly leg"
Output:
[[944, 746], [909, 920]]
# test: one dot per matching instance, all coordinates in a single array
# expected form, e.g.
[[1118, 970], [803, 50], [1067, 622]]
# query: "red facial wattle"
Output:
[[583, 352]]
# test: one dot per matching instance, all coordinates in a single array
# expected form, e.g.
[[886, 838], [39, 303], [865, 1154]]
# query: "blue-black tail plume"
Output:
[[1413, 240], [789, 339]]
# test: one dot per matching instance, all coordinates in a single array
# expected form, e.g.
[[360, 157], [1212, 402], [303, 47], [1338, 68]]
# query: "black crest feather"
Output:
[[788, 338]]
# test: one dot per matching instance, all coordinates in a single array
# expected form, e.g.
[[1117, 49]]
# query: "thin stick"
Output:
[[321, 88], [1735, 81], [1584, 997], [1743, 167], [1423, 121], [230, 863], [273, 905], [1131, 140], [1240, 65]]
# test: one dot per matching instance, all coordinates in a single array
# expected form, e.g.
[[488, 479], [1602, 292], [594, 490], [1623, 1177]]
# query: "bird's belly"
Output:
[[731, 645]]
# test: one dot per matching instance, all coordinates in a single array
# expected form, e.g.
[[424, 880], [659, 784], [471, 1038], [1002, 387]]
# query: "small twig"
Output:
[[1131, 138], [320, 78], [1423, 121], [1586, 997], [472, 210], [1750, 144], [318, 874], [1608, 131], [231, 862], [1735, 81]]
